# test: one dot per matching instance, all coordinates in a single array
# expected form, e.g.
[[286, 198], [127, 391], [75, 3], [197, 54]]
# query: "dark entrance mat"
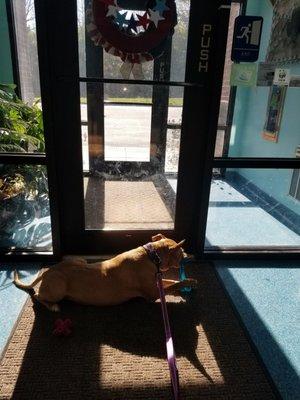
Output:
[[119, 352]]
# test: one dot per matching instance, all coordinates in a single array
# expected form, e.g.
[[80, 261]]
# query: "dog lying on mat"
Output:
[[128, 275]]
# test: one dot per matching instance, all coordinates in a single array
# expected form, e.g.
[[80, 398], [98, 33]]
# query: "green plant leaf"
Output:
[[22, 124]]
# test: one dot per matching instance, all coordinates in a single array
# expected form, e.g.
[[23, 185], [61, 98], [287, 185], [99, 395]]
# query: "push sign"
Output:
[[246, 38]]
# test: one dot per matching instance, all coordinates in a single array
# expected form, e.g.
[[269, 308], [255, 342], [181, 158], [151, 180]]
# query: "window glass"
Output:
[[21, 122], [253, 208], [25, 28], [263, 118], [24, 208]]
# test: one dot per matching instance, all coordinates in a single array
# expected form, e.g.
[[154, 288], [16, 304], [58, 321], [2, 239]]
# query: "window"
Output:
[[25, 34], [25, 224]]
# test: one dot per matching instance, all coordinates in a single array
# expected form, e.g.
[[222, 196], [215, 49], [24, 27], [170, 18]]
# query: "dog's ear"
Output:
[[157, 237], [177, 245]]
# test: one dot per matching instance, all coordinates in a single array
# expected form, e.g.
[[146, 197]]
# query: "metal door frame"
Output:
[[56, 23]]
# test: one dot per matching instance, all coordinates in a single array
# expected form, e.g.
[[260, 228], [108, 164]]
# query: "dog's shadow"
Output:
[[73, 365], [135, 327]]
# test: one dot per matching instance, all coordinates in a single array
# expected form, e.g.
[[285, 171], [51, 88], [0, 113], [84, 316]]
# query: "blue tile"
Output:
[[12, 299], [266, 295], [236, 220]]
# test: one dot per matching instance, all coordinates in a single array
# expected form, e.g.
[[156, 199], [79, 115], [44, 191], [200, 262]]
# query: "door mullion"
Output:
[[56, 23], [160, 107], [94, 96], [200, 114], [220, 22]]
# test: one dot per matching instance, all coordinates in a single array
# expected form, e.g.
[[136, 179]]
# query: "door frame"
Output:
[[224, 162], [61, 107]]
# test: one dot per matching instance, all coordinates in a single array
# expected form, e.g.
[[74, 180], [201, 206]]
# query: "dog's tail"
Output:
[[21, 285]]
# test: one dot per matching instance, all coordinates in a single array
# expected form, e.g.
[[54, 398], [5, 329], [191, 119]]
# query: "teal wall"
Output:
[[6, 72], [249, 119]]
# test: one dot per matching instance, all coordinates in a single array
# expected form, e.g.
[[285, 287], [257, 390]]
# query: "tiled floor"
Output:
[[11, 298], [266, 295], [236, 220], [233, 218]]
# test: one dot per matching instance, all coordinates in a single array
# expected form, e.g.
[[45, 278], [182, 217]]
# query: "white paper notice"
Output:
[[282, 77]]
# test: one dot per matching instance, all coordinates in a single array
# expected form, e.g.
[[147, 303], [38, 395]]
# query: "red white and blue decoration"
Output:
[[136, 36]]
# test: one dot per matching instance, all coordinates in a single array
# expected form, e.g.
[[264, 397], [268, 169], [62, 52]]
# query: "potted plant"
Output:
[[21, 125], [23, 188]]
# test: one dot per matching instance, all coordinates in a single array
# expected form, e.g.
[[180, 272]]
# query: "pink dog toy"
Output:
[[62, 327]]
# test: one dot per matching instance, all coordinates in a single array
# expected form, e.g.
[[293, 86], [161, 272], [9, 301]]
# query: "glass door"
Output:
[[131, 128], [129, 136], [254, 194]]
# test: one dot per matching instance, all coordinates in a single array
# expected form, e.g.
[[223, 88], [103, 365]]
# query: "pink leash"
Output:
[[171, 356]]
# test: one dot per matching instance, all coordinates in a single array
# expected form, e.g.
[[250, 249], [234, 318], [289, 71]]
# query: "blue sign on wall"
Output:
[[246, 38]]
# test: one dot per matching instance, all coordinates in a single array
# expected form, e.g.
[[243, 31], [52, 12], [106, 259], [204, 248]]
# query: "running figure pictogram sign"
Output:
[[246, 38]]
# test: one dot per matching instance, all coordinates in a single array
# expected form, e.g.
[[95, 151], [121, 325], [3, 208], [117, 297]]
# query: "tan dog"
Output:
[[128, 275]]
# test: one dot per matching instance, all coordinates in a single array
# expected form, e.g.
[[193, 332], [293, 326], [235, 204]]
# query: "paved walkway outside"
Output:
[[127, 132]]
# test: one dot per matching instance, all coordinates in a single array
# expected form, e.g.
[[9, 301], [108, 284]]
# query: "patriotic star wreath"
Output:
[[134, 36]]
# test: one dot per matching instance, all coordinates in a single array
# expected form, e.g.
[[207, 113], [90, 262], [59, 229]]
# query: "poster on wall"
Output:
[[243, 74], [274, 112], [284, 45], [282, 76]]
